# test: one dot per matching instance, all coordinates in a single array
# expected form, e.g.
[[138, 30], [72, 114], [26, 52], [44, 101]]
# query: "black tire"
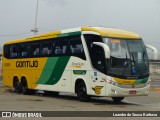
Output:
[[24, 87], [117, 99], [17, 86], [82, 92]]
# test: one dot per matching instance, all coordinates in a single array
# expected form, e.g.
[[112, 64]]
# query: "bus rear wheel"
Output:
[[82, 92], [24, 87], [17, 85], [117, 99]]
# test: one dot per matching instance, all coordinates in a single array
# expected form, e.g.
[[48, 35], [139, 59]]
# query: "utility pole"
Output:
[[35, 30]]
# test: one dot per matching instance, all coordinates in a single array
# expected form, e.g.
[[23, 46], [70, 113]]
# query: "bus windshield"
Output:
[[128, 57]]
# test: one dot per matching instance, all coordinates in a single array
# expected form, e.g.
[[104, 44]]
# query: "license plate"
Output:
[[132, 92]]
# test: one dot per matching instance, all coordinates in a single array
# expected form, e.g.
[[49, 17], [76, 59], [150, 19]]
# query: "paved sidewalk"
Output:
[[155, 83], [155, 76]]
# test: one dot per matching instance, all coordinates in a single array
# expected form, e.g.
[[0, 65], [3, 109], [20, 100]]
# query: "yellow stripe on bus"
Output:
[[124, 81]]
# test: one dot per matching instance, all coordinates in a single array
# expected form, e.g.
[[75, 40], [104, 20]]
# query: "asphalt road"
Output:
[[10, 101], [69, 102], [155, 80]]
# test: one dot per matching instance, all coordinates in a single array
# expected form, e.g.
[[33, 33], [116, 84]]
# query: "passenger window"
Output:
[[60, 46], [35, 49], [14, 51], [47, 48], [98, 58], [76, 47], [96, 52], [23, 49], [6, 51]]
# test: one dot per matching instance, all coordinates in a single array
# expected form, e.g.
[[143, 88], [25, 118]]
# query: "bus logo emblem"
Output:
[[97, 89]]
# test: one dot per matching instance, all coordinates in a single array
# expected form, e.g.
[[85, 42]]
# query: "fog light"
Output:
[[114, 91]]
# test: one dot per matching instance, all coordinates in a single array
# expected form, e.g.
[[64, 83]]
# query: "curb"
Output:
[[155, 89], [5, 89]]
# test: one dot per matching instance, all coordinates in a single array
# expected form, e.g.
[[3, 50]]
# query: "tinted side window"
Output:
[[14, 52], [47, 48], [76, 47], [60, 46], [6, 51], [23, 49], [98, 58], [90, 39], [35, 49], [96, 52]]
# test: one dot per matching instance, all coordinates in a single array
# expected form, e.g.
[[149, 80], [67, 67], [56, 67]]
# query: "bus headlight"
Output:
[[114, 91]]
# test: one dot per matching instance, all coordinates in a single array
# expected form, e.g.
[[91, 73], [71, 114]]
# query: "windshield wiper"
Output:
[[133, 70], [133, 61], [125, 64], [126, 61], [135, 66]]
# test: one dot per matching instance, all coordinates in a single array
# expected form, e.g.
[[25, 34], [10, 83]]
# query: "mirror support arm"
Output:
[[155, 51], [105, 47]]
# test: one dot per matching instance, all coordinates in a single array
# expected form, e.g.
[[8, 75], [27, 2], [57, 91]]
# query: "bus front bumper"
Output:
[[114, 91]]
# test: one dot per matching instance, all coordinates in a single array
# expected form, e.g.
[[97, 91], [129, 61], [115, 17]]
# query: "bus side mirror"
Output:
[[155, 51], [105, 48]]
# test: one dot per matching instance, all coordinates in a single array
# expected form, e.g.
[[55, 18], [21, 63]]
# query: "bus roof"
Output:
[[112, 32], [106, 32]]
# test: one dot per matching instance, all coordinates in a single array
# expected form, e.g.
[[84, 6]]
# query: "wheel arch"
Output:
[[79, 80]]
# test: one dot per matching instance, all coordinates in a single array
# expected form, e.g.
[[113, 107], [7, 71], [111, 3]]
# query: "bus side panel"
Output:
[[79, 70], [7, 77], [8, 72], [23, 68], [54, 75], [98, 83], [38, 73], [64, 83]]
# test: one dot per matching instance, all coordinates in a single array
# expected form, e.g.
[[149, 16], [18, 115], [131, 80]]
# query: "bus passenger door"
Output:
[[99, 69]]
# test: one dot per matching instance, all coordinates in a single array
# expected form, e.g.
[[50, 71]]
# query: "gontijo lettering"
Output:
[[21, 64]]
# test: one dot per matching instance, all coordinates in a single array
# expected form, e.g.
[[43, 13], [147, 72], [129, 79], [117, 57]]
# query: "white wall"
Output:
[[154, 68]]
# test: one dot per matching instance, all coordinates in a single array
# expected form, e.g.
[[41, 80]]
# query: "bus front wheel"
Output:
[[117, 99], [82, 92]]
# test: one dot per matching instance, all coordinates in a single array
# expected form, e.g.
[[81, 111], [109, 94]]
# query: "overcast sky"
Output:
[[17, 17]]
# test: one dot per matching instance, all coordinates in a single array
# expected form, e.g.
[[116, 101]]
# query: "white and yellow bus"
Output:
[[88, 61]]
